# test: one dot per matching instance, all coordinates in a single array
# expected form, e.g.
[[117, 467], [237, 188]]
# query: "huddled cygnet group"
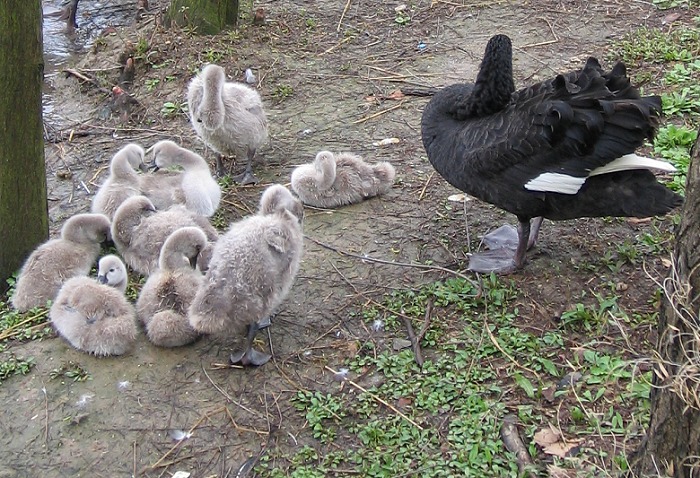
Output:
[[197, 281]]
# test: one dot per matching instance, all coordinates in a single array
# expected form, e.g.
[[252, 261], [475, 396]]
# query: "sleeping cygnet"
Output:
[[57, 260], [94, 316], [168, 292]]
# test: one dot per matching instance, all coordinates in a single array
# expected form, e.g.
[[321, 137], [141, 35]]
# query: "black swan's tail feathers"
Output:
[[634, 193]]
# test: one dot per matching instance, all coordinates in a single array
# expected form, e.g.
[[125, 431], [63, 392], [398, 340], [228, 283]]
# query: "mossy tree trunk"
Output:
[[672, 444], [206, 17], [23, 207]]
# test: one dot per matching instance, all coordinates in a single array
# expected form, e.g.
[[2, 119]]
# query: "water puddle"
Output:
[[63, 48]]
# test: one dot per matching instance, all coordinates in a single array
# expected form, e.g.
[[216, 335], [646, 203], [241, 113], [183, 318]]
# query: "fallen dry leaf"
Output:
[[552, 442]]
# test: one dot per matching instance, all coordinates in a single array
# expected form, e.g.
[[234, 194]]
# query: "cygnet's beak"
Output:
[[152, 166], [102, 279]]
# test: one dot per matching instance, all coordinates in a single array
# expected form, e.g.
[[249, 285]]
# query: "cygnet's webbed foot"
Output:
[[264, 323], [220, 172], [250, 357], [247, 176]]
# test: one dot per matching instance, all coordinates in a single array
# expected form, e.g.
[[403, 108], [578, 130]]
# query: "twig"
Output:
[[46, 416], [378, 113], [92, 81], [379, 399], [498, 346], [13, 330], [425, 186], [340, 43], [514, 444], [392, 263], [342, 15], [135, 476]]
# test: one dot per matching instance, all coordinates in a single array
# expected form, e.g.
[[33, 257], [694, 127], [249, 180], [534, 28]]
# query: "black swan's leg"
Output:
[[507, 248], [250, 356], [247, 176], [534, 232]]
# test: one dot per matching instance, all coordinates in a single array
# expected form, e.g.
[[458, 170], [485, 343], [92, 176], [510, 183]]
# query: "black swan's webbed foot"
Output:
[[507, 248]]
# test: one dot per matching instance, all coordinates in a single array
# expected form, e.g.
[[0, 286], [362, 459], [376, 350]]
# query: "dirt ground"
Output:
[[328, 71]]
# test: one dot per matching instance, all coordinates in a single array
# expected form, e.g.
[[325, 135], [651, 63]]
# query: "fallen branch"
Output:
[[92, 81], [514, 444]]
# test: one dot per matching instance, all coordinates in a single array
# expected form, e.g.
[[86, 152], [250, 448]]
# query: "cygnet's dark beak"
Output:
[[152, 166], [102, 279]]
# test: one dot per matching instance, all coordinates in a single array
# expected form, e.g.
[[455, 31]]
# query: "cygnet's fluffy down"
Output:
[[57, 260], [201, 192], [122, 182], [163, 188], [228, 116], [334, 180], [251, 271], [168, 292], [139, 231], [95, 316]]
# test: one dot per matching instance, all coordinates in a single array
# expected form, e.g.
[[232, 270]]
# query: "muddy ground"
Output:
[[328, 76]]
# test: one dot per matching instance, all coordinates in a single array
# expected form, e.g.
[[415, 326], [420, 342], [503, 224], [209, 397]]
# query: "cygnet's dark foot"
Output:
[[266, 322], [500, 261], [246, 177], [249, 357]]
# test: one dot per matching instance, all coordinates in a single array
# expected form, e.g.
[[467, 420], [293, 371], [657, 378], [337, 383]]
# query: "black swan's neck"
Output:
[[494, 84]]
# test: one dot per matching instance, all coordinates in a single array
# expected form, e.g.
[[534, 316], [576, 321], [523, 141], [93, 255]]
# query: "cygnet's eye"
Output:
[[199, 120], [112, 269]]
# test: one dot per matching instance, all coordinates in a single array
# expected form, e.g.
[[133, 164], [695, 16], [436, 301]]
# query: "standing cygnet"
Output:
[[201, 192], [95, 316], [168, 292], [57, 260], [334, 180], [251, 271], [139, 231], [122, 182], [229, 118]]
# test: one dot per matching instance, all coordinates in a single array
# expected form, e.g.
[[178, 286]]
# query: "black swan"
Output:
[[560, 149]]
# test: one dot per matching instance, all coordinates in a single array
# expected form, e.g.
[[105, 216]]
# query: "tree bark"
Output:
[[672, 444], [205, 17], [23, 207]]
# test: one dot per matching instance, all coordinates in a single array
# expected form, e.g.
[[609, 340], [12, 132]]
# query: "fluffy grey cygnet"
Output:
[[57, 260], [139, 231], [122, 182], [168, 292], [334, 180], [94, 316], [201, 193], [229, 118], [251, 272]]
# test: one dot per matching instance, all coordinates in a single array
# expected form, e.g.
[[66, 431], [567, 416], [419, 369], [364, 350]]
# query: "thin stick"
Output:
[[379, 399], [378, 113], [13, 330], [498, 346], [425, 186], [135, 476], [46, 416], [340, 43], [391, 263], [342, 16]]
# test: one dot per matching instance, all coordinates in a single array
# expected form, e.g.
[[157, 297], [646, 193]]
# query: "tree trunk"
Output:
[[672, 444], [23, 207], [205, 17]]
